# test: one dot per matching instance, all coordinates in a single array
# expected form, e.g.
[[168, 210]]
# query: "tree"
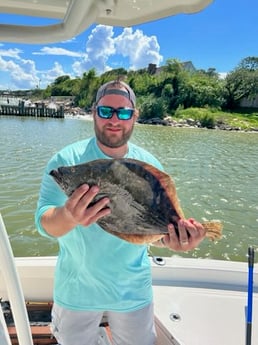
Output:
[[202, 89], [87, 88], [152, 107], [249, 63], [242, 82], [170, 86], [64, 86], [61, 79], [173, 66]]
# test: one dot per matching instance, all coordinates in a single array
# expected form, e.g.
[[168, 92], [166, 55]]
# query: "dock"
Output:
[[35, 111]]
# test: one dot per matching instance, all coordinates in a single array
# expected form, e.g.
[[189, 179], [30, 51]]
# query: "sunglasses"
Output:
[[107, 112]]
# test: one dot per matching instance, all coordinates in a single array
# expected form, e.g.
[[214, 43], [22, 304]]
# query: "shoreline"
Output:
[[188, 123]]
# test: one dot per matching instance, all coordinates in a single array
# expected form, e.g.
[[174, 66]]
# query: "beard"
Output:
[[112, 140]]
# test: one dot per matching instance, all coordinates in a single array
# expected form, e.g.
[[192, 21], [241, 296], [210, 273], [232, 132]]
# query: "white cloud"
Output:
[[57, 51], [138, 49], [21, 75], [25, 75], [47, 77], [99, 47], [12, 53], [131, 49], [223, 75]]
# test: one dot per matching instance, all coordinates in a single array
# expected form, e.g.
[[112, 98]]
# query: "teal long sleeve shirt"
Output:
[[95, 270]]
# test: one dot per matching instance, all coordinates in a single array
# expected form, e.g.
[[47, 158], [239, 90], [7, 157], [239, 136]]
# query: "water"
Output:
[[215, 174]]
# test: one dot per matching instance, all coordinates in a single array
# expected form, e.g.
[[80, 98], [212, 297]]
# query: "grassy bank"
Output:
[[242, 119]]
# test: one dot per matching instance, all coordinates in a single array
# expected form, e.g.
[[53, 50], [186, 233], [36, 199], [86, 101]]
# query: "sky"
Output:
[[219, 37]]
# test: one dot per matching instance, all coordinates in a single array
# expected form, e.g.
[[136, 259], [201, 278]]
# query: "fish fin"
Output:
[[213, 230], [168, 184]]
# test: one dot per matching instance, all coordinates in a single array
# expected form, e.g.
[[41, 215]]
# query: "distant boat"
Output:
[[28, 103], [52, 105]]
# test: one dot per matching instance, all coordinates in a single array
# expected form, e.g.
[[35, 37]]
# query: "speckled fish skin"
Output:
[[139, 194]]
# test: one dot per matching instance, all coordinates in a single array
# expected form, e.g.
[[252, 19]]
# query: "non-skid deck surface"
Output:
[[41, 335], [39, 314]]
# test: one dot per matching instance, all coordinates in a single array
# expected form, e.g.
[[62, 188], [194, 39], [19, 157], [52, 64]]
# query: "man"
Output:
[[97, 272]]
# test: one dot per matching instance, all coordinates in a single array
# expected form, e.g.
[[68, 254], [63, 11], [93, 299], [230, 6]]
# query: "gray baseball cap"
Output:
[[116, 87]]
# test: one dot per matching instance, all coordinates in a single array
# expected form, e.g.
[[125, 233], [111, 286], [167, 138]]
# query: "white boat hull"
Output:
[[197, 302]]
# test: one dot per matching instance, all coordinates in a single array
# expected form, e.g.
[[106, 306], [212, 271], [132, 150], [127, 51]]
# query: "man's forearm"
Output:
[[56, 221]]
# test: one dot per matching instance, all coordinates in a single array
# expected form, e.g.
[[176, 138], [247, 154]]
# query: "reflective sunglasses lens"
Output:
[[125, 113], [105, 112]]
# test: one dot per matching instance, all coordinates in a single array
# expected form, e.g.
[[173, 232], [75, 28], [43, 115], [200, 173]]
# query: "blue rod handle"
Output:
[[250, 296]]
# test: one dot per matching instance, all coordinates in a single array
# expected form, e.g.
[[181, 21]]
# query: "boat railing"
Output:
[[15, 293]]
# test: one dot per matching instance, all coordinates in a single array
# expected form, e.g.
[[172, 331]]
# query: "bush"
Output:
[[152, 108], [205, 116], [207, 121]]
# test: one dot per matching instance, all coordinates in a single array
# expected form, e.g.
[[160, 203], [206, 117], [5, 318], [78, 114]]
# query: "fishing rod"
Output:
[[250, 296]]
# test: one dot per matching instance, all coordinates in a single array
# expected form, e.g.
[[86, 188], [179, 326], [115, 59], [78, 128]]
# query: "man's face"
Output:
[[113, 132]]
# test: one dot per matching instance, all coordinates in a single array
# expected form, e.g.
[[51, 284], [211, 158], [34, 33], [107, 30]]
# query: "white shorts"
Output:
[[72, 327]]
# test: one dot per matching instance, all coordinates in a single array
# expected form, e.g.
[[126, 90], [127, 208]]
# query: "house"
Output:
[[249, 103], [154, 70]]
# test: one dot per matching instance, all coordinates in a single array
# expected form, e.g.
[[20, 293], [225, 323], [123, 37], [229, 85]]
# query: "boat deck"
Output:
[[197, 302], [192, 316], [39, 314]]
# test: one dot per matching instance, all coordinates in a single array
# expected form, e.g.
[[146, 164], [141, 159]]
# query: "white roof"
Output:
[[74, 16]]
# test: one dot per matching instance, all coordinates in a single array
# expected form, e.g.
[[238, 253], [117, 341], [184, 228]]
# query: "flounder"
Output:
[[143, 199]]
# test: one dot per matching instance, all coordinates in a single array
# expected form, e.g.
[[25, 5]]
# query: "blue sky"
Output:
[[218, 37]]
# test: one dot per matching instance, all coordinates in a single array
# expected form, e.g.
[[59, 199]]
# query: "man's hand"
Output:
[[189, 235], [58, 221], [78, 206]]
